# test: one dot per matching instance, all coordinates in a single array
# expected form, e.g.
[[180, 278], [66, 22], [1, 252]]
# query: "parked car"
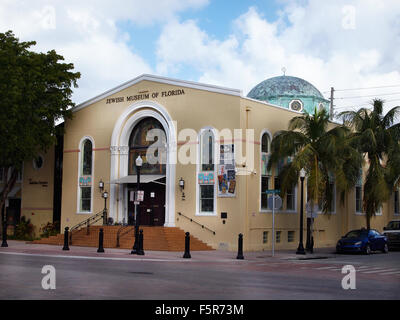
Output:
[[362, 240], [392, 232]]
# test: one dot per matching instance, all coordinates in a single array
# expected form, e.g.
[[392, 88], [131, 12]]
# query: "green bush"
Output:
[[24, 230]]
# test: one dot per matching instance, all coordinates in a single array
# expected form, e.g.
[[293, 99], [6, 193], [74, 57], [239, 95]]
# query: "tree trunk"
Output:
[[368, 217], [9, 184]]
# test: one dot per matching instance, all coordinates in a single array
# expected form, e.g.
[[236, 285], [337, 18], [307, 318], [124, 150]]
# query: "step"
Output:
[[155, 238]]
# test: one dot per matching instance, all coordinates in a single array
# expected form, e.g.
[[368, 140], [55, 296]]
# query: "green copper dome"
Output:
[[289, 92]]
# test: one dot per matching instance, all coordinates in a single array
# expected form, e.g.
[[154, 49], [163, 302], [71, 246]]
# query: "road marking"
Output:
[[387, 273], [326, 268], [380, 270], [120, 259]]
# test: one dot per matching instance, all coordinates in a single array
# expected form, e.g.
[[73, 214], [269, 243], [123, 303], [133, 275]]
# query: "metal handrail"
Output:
[[91, 220], [202, 225], [119, 235]]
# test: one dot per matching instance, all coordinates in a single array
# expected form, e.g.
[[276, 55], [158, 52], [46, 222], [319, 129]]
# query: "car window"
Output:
[[356, 234], [393, 225]]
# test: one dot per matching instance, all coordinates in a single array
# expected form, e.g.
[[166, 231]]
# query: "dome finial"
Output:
[[284, 71]]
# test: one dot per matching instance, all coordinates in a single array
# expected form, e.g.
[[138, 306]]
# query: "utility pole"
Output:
[[331, 109]]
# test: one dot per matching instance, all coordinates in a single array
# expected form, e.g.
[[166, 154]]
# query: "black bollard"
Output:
[[66, 247], [187, 255], [240, 248], [135, 248], [101, 238], [4, 244], [140, 251]]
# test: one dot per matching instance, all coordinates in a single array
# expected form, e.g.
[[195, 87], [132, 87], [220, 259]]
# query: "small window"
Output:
[[38, 162], [265, 173], [86, 197], [85, 176], [265, 237], [207, 198], [296, 105], [278, 237], [290, 237], [207, 151], [290, 199]]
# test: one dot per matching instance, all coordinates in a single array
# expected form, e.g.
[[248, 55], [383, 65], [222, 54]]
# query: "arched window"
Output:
[[265, 173], [85, 176], [148, 140], [206, 172]]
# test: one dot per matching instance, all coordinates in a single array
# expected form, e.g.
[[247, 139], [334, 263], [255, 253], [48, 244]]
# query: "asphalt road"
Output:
[[80, 278]]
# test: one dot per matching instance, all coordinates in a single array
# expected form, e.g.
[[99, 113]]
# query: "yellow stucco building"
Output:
[[204, 150]]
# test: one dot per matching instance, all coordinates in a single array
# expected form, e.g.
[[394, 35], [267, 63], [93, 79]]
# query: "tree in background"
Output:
[[323, 153], [377, 139], [35, 92]]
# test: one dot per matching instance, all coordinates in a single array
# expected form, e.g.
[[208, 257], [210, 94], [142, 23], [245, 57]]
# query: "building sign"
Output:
[[226, 171], [85, 181], [146, 95], [206, 178]]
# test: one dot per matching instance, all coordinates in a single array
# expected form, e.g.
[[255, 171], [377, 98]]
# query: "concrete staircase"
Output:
[[154, 238]]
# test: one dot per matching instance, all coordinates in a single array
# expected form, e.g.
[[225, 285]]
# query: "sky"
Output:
[[350, 45]]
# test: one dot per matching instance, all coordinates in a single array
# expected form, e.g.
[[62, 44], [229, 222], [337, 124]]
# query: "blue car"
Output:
[[362, 240]]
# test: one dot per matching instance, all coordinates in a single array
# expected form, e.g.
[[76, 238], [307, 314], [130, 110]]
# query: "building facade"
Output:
[[205, 152]]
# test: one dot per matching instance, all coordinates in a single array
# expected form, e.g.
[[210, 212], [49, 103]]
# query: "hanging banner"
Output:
[[85, 181], [206, 178], [226, 171]]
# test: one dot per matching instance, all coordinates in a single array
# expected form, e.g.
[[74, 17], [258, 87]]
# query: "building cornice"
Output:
[[164, 80]]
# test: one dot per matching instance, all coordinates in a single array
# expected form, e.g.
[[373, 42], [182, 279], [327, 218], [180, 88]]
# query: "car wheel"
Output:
[[385, 248], [367, 249]]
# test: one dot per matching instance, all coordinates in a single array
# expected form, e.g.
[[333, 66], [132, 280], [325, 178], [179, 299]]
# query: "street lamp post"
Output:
[[300, 249], [105, 196], [136, 248]]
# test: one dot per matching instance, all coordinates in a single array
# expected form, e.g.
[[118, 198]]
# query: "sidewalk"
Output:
[[23, 247]]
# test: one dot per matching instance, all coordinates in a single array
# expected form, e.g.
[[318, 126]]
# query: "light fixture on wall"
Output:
[[182, 187], [101, 185]]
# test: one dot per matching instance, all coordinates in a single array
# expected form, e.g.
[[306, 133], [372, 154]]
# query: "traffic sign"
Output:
[[139, 195], [272, 191], [278, 202]]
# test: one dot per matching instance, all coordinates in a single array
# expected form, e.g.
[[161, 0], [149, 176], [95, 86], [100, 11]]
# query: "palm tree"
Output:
[[377, 139], [321, 152]]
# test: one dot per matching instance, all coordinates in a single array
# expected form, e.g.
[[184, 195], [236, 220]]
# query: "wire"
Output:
[[390, 86], [369, 96], [364, 104]]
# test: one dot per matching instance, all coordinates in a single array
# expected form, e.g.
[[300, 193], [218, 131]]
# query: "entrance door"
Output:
[[152, 208]]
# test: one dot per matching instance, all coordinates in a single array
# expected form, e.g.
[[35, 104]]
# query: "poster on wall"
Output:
[[226, 171]]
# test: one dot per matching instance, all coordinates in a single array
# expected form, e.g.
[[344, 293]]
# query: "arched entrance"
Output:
[[148, 140], [121, 152]]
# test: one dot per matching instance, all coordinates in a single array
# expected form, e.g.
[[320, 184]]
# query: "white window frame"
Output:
[[199, 170], [80, 163], [264, 131]]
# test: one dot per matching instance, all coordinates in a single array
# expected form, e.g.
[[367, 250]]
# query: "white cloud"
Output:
[[313, 41], [86, 34]]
